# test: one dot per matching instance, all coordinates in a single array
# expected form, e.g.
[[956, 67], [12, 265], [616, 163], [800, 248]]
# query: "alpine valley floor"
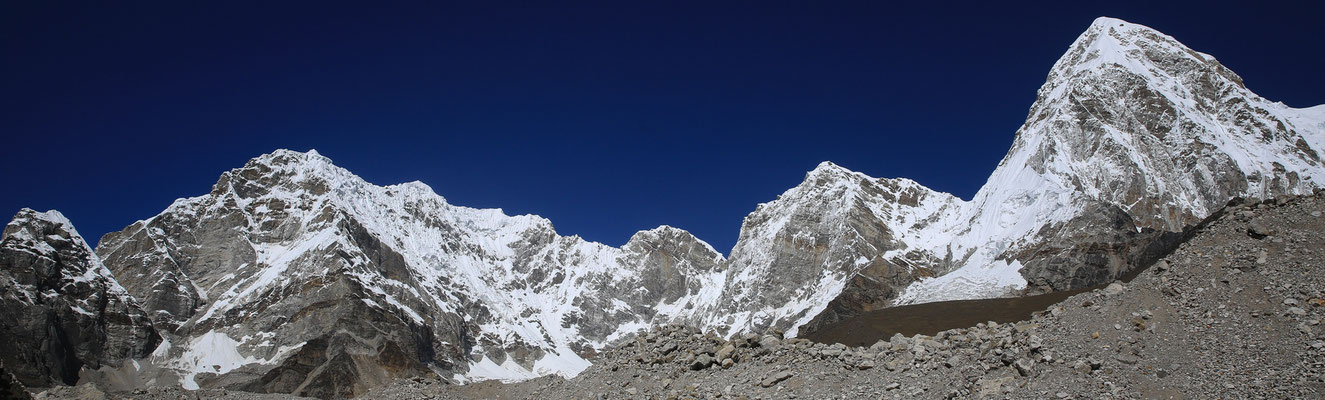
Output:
[[1232, 313]]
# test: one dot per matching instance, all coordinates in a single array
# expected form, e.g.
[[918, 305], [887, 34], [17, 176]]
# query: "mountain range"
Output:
[[293, 275]]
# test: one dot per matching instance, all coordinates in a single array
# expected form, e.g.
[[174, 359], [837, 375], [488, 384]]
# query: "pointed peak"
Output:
[[667, 229], [1111, 46], [33, 225], [53, 219], [310, 162], [661, 230], [417, 186], [1110, 22], [1115, 41], [286, 156], [669, 234], [830, 171], [309, 170], [827, 168], [52, 216]]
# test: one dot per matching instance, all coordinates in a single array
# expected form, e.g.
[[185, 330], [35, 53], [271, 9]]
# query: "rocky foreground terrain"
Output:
[[1232, 313]]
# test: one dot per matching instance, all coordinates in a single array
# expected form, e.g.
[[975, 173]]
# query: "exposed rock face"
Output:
[[63, 310], [1100, 245]]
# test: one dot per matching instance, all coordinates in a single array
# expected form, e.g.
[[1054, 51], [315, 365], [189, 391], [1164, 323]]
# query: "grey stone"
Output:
[[1259, 228], [725, 352], [668, 348], [1114, 289], [1024, 366], [775, 377], [702, 361]]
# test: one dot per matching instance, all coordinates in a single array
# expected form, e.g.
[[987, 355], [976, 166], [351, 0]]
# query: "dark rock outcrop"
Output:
[[63, 310], [10, 387]]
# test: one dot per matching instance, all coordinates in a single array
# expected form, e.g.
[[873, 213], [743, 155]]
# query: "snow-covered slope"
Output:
[[294, 275]]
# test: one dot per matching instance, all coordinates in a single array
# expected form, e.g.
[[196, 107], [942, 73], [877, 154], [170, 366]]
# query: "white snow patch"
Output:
[[995, 280], [213, 352], [561, 361]]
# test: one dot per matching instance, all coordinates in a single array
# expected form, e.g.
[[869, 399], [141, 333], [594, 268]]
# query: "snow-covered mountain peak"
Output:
[[1114, 41], [1131, 130], [1132, 53], [828, 172], [827, 167], [63, 311], [290, 160], [50, 234], [674, 235], [288, 171], [34, 225], [1127, 106]]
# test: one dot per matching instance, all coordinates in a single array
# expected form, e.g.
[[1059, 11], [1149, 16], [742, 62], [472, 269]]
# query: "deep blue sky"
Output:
[[605, 118]]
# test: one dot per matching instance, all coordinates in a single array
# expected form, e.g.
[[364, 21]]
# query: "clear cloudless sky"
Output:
[[607, 118]]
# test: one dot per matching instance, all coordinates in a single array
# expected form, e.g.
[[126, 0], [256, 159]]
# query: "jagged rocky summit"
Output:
[[294, 275], [62, 309]]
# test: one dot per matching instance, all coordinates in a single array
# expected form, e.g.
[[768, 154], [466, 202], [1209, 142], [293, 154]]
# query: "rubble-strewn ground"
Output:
[[1233, 313]]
